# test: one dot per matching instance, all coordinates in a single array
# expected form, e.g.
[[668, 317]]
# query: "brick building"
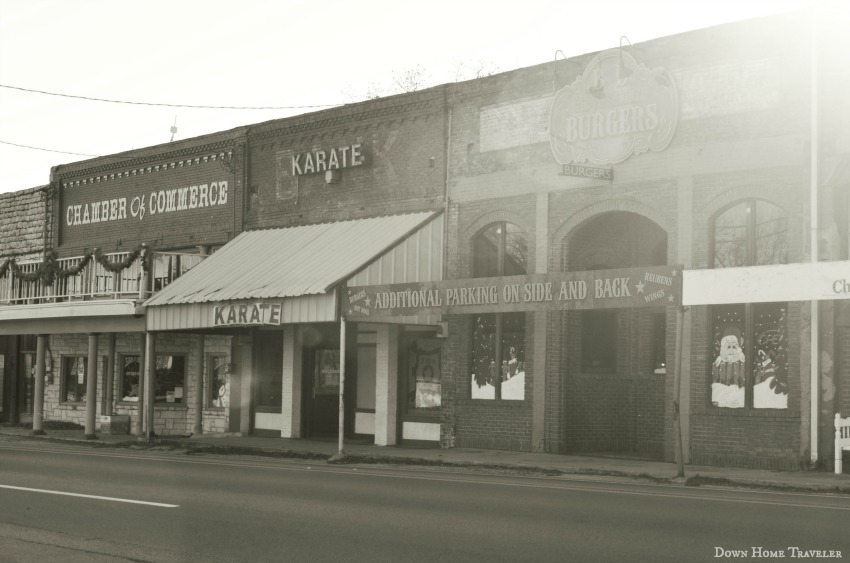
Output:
[[696, 150], [496, 263]]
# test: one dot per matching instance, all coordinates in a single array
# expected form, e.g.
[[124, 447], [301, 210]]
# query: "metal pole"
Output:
[[814, 388], [677, 386], [38, 403], [341, 384]]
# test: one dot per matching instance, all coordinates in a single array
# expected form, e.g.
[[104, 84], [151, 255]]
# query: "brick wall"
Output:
[[23, 226], [169, 418], [402, 141]]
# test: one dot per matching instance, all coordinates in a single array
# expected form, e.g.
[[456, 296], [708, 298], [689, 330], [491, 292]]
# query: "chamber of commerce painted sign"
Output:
[[600, 289], [247, 314], [156, 202], [615, 109]]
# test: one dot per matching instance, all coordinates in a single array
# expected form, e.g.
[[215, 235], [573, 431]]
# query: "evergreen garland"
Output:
[[48, 270]]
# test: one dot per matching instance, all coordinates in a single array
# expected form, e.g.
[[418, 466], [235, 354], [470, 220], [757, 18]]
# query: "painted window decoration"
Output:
[[750, 366], [770, 385], [219, 378], [130, 372], [74, 379], [498, 340], [498, 362], [424, 384], [170, 375], [327, 372]]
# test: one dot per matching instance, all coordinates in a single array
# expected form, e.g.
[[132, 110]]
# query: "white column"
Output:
[[386, 385], [291, 392]]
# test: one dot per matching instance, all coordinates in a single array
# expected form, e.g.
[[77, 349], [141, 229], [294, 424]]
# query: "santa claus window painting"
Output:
[[749, 367]]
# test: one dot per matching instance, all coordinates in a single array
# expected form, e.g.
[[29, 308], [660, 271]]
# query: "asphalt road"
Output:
[[66, 503]]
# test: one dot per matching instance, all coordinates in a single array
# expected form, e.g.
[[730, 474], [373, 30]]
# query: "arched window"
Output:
[[749, 366], [498, 340]]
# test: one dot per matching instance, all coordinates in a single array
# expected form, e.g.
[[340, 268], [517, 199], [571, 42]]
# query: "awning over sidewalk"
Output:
[[290, 275], [72, 317]]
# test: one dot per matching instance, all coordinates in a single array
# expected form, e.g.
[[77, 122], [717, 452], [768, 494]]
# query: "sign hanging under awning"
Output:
[[654, 286]]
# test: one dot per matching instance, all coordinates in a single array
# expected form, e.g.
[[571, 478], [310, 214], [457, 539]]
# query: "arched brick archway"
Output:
[[563, 235], [613, 362]]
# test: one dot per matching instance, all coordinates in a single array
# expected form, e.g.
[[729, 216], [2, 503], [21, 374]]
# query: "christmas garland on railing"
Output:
[[48, 270]]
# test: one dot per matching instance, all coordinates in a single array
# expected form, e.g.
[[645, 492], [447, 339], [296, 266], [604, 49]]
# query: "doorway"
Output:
[[320, 380], [268, 362]]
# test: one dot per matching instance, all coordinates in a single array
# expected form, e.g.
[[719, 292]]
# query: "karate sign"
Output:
[[600, 289]]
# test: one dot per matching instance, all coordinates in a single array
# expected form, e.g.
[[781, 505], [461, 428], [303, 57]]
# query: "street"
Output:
[[66, 503]]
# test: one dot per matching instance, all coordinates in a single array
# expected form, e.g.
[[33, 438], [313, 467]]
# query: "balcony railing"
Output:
[[95, 281]]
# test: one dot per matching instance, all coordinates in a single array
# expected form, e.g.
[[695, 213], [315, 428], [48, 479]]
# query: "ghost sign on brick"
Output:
[[615, 109]]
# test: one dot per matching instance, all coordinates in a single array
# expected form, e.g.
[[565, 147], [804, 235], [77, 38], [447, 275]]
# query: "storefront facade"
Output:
[[121, 228], [499, 263], [692, 150]]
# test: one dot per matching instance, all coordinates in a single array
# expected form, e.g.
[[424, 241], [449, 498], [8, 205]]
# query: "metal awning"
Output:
[[296, 267]]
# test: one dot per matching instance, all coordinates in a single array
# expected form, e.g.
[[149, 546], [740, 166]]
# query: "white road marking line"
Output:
[[89, 496]]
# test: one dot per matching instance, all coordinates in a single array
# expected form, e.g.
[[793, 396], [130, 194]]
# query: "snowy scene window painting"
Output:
[[498, 340], [498, 357], [425, 387], [770, 374], [750, 365]]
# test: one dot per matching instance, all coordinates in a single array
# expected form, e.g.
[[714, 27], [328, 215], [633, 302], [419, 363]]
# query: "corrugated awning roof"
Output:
[[289, 262]]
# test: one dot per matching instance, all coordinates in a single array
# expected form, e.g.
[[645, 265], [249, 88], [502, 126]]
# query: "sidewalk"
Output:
[[362, 453]]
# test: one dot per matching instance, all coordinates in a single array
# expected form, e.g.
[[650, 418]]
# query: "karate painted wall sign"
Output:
[[247, 314], [615, 109], [600, 289]]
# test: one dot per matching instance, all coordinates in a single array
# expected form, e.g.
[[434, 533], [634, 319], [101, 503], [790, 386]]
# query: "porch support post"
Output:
[[291, 391], [138, 425], [109, 376], [91, 388], [197, 423], [38, 400], [386, 385], [341, 437], [150, 376]]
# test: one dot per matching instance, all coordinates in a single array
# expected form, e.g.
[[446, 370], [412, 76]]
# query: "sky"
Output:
[[290, 55]]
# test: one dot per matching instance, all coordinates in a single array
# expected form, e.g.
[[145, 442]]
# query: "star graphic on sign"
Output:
[[349, 311], [368, 302], [675, 272], [670, 298], [349, 292], [640, 285]]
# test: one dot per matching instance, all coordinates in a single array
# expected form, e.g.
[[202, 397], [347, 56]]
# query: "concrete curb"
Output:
[[200, 448]]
